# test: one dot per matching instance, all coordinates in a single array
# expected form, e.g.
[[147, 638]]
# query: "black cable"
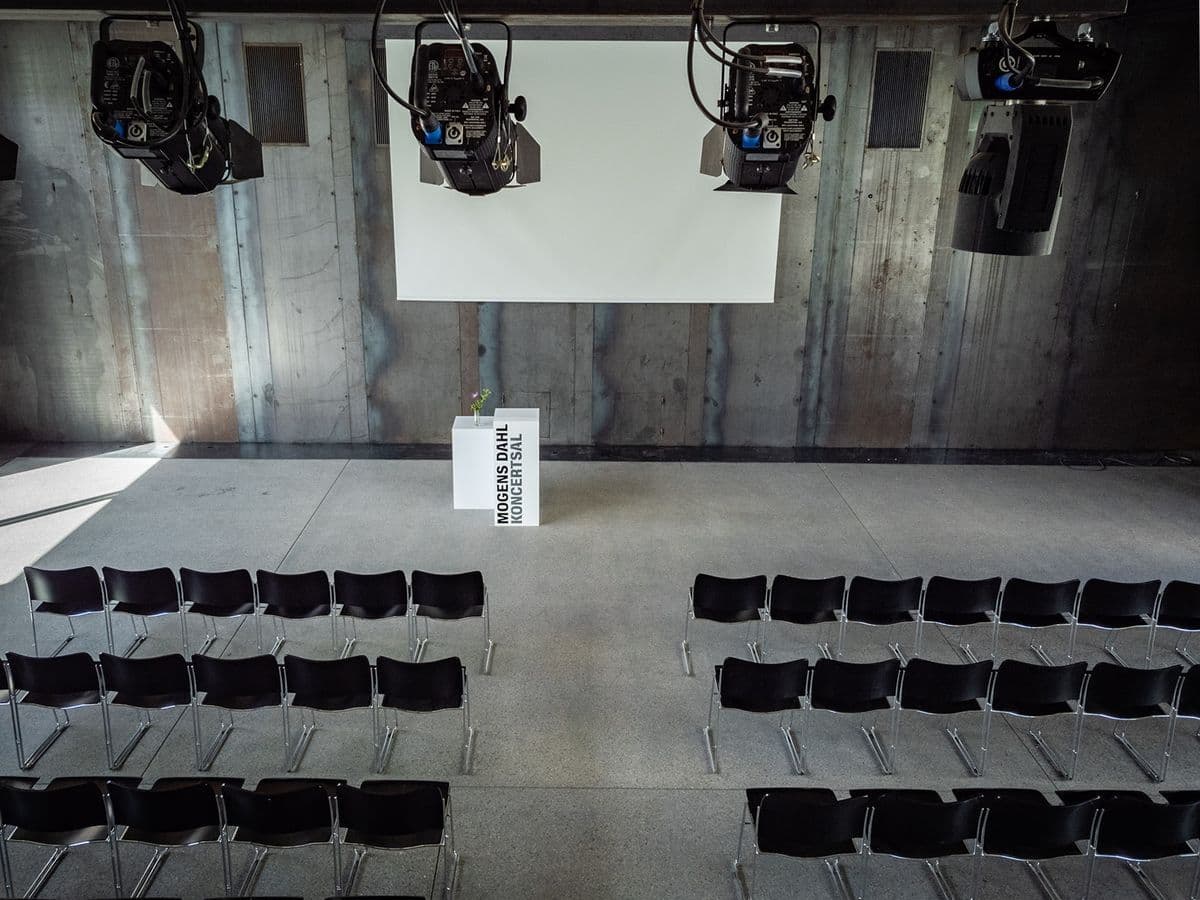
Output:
[[380, 77], [733, 64], [691, 75], [706, 29]]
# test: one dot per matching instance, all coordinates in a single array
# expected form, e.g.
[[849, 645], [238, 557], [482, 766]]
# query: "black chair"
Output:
[[858, 689], [1036, 605], [143, 595], [1113, 606], [157, 682], [167, 819], [379, 595], [1032, 831], [1179, 610], [945, 689], [915, 825], [1136, 830], [216, 595], [803, 601], [306, 595], [881, 603], [459, 596], [58, 683], [69, 593], [59, 817], [758, 688], [1187, 703], [727, 600], [1031, 691], [285, 816], [327, 685], [961, 603], [397, 815], [422, 687], [1123, 694], [231, 685], [805, 823]]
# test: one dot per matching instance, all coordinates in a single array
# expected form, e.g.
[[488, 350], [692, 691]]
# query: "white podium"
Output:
[[497, 465]]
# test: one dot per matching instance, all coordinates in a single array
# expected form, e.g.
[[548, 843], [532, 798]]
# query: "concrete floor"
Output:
[[590, 776]]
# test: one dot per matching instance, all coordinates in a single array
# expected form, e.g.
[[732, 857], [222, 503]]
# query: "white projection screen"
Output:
[[622, 213]]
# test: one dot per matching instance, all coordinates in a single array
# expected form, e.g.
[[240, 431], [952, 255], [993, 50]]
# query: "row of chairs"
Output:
[[1110, 606], [1014, 688], [348, 597], [278, 814], [299, 685], [1017, 824]]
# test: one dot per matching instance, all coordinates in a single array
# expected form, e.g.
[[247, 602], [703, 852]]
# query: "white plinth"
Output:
[[472, 447], [517, 480]]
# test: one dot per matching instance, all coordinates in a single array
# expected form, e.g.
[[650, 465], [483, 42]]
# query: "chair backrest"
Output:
[[300, 591], [1112, 688], [236, 677], [305, 807], [729, 599], [762, 687], [920, 828], [348, 678], [803, 599], [1102, 598], [421, 686], [1023, 687], [145, 587], [53, 809], [839, 685], [1142, 829], [1181, 601], [400, 809], [1026, 830], [932, 685], [957, 595], [376, 590], [71, 673], [869, 596], [1038, 598], [79, 588], [145, 676], [796, 823], [230, 589], [1189, 693], [164, 809], [452, 595]]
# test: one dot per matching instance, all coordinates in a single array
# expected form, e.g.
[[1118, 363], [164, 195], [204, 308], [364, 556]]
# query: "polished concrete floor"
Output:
[[590, 775]]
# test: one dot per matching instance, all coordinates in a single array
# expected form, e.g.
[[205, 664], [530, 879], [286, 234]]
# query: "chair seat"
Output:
[[152, 701], [241, 701], [420, 704], [1143, 851], [1036, 709], [1114, 621], [759, 704], [221, 610], [293, 839], [1031, 620], [71, 838], [816, 796], [813, 851], [803, 616], [62, 701], [433, 612], [1116, 711], [295, 612], [1021, 851], [945, 708], [202, 835], [393, 842], [916, 849], [950, 617], [1179, 623], [860, 706], [391, 610], [883, 617], [162, 608], [69, 608], [332, 702]]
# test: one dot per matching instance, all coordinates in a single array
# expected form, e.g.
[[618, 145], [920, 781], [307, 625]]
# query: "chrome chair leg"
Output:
[[1181, 648], [39, 880], [205, 757], [295, 751], [468, 746], [139, 637], [280, 635], [789, 740], [246, 888], [489, 646], [710, 731], [1051, 755], [940, 881], [684, 646], [1048, 887], [28, 762], [150, 872], [841, 880], [1149, 885], [1136, 755], [118, 759]]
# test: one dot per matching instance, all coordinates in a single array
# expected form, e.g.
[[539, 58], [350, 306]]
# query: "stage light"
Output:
[[471, 136], [768, 105], [151, 104], [8, 159], [1009, 195]]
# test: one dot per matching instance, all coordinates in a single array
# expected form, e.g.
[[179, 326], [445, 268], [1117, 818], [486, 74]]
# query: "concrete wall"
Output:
[[265, 312]]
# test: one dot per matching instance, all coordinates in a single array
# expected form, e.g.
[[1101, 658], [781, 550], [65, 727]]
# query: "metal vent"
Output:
[[381, 102], [275, 81], [898, 98]]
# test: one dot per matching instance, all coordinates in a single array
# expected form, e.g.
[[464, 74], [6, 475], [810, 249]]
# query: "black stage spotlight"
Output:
[[8, 159], [471, 136], [151, 104], [1009, 194], [768, 106]]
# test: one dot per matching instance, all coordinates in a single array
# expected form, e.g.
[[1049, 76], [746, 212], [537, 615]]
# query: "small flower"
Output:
[[475, 395]]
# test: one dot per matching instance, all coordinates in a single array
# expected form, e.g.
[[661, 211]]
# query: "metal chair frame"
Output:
[[1043, 745], [974, 765], [1119, 735], [279, 623], [796, 754], [1036, 648], [1035, 865], [897, 649], [386, 743], [211, 631], [104, 611], [144, 722], [885, 757], [752, 642], [1151, 623], [15, 699], [933, 865], [350, 628], [489, 646], [766, 619], [140, 638], [207, 755], [962, 648], [294, 750]]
